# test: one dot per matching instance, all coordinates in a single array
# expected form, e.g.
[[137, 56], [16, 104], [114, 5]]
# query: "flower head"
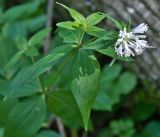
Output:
[[132, 43]]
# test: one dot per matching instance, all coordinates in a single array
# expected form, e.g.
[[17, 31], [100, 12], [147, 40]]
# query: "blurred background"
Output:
[[128, 105]]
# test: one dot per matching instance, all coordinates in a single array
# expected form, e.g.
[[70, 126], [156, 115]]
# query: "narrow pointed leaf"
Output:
[[78, 17], [95, 18], [29, 74], [38, 37]]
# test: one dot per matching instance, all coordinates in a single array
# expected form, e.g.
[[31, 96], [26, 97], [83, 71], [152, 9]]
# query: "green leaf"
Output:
[[35, 24], [66, 25], [30, 87], [21, 43], [95, 18], [131, 83], [144, 109], [38, 37], [152, 129], [26, 118], [31, 52], [14, 60], [6, 106], [95, 31], [63, 104], [85, 84], [48, 133], [103, 42], [26, 77], [20, 11], [105, 98], [122, 128], [78, 17], [70, 36], [113, 85]]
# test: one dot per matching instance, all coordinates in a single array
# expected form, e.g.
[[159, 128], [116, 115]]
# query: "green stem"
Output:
[[80, 40]]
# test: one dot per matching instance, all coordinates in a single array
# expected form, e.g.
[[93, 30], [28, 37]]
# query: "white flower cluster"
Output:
[[132, 43]]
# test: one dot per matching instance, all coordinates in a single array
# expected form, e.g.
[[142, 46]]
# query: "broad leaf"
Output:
[[63, 104], [124, 87], [38, 37], [85, 84], [82, 73], [6, 106], [26, 118], [95, 18]]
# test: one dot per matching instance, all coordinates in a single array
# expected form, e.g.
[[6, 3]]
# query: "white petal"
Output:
[[141, 28]]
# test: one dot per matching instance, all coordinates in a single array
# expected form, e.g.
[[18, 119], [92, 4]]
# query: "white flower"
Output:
[[132, 43]]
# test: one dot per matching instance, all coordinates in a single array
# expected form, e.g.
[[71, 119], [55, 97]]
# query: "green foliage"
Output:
[[20, 11], [67, 80], [6, 106], [95, 18], [78, 17], [113, 85], [47, 133], [63, 104], [122, 128], [26, 118], [152, 129], [36, 39], [1, 132]]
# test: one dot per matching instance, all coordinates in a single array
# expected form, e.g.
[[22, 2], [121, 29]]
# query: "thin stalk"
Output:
[[80, 40], [61, 127]]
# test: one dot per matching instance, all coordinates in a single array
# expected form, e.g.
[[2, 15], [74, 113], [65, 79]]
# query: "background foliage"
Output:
[[123, 107]]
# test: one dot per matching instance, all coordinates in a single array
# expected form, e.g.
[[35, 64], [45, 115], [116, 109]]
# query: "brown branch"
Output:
[[50, 7], [60, 127]]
